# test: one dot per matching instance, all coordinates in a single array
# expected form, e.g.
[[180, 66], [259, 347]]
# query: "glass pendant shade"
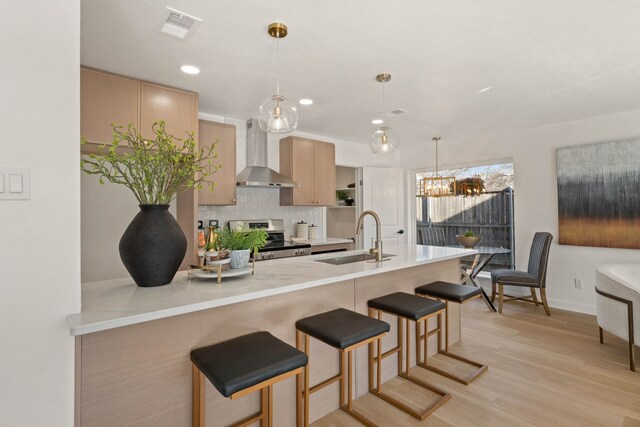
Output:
[[278, 115], [384, 141]]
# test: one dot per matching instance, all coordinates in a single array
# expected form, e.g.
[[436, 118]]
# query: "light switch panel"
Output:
[[14, 184]]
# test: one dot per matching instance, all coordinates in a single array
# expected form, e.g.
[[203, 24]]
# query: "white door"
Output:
[[383, 193]]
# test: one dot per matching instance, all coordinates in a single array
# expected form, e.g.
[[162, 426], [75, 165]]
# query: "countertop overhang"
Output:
[[115, 303]]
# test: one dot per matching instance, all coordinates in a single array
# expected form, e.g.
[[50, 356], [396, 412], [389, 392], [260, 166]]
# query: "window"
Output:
[[488, 214]]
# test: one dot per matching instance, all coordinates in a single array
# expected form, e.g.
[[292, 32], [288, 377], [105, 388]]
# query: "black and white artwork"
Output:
[[599, 194]]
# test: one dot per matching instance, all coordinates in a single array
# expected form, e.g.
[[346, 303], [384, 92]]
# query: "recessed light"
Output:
[[484, 90], [306, 101], [190, 69], [377, 121]]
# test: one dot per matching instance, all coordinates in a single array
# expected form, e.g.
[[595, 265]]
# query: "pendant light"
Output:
[[277, 113], [384, 140], [438, 186]]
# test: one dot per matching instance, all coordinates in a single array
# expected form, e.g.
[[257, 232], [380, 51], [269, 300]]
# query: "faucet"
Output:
[[377, 250]]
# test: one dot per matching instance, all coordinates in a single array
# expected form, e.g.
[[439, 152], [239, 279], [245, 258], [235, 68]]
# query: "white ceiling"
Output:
[[547, 61]]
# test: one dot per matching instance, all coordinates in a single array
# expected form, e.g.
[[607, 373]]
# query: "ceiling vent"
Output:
[[178, 24], [394, 112]]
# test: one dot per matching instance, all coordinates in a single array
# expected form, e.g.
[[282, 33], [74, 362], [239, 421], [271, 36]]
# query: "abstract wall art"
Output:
[[599, 194]]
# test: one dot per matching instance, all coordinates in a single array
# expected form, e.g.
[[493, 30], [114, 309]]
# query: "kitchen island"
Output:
[[133, 343]]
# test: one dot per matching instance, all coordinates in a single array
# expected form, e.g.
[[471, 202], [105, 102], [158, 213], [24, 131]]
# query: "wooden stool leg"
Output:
[[306, 382], [270, 406], [299, 386], [264, 408], [446, 326], [198, 394]]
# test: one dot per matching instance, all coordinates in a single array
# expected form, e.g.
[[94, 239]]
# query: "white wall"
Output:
[[40, 237], [536, 206]]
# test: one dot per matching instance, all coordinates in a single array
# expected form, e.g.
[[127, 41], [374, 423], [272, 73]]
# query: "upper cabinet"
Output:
[[178, 109], [311, 164], [105, 99], [224, 192]]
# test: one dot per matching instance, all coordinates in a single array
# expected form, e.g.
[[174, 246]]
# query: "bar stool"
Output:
[[344, 330], [413, 308], [459, 294], [240, 366]]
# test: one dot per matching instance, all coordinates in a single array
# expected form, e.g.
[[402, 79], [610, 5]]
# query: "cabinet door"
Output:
[[324, 174], [225, 178], [105, 99], [302, 165], [178, 109]]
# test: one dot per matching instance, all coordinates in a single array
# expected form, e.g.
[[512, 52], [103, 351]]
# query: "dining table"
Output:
[[480, 260]]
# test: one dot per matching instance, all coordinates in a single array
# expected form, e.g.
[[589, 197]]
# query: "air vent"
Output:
[[178, 24], [394, 112]]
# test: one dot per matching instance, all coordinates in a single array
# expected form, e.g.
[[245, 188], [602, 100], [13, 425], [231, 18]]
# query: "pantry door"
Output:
[[383, 193]]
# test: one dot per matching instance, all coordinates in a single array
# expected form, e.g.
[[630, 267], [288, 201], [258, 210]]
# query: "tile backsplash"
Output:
[[263, 203]]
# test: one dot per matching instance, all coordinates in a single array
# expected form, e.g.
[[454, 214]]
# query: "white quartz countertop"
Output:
[[321, 241], [115, 303]]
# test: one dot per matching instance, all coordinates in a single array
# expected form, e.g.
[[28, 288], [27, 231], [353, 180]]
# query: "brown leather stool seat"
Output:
[[344, 330], [406, 307], [242, 365], [459, 294]]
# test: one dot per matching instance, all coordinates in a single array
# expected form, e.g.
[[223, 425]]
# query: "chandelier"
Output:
[[437, 186]]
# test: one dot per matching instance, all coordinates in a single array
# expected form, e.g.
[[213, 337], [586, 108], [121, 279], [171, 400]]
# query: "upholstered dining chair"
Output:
[[534, 277]]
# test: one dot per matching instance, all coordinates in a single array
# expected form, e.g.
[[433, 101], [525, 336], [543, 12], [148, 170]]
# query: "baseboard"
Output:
[[562, 305], [571, 306]]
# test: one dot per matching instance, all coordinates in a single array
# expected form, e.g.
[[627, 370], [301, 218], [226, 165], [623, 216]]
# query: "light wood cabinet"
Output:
[[106, 99], [225, 178], [178, 109], [312, 164]]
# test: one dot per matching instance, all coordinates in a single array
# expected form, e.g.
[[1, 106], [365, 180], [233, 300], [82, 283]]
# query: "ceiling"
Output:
[[546, 61]]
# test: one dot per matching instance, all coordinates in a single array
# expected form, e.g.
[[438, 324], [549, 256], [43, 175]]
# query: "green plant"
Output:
[[235, 240], [342, 194], [470, 233], [155, 170]]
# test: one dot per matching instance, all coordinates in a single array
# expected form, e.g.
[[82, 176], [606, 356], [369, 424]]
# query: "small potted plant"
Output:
[[155, 170], [240, 243], [469, 240], [342, 196]]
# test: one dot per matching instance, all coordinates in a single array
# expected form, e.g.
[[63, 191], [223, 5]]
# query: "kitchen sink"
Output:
[[352, 258]]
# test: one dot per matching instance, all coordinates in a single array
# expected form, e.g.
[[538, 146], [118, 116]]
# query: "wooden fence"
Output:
[[489, 215]]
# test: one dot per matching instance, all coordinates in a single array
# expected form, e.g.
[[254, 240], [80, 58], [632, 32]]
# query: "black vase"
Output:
[[153, 246]]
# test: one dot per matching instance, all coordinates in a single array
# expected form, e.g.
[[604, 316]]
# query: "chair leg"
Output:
[[534, 297], [543, 296], [500, 297], [601, 335], [493, 292]]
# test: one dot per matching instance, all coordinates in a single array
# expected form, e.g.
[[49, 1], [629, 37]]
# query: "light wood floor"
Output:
[[543, 371]]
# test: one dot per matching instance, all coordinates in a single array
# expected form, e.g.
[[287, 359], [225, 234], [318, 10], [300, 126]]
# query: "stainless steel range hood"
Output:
[[257, 172]]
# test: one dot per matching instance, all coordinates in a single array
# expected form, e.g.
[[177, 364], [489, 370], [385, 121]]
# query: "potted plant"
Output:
[[240, 243], [342, 195], [155, 170], [469, 240]]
